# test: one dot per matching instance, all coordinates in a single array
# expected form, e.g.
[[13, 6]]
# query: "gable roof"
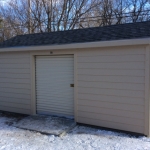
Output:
[[106, 33]]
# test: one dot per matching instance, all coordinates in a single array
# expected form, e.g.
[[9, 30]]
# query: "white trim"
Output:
[[75, 89], [147, 87], [129, 42], [33, 95], [44, 99]]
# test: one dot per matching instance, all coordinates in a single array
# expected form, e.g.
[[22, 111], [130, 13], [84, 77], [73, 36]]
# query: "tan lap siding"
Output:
[[111, 88], [15, 91]]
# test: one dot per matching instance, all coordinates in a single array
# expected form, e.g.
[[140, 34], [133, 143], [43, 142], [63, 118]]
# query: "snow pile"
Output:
[[80, 138]]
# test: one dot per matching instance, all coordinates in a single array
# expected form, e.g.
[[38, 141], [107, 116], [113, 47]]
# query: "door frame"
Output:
[[33, 77], [54, 58]]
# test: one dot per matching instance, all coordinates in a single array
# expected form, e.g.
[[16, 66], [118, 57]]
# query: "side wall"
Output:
[[111, 88], [15, 87], [110, 85]]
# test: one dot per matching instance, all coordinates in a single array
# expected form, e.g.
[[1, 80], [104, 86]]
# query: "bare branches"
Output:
[[56, 15], [136, 8]]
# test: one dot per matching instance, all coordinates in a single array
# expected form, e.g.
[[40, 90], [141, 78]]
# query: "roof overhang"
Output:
[[115, 43]]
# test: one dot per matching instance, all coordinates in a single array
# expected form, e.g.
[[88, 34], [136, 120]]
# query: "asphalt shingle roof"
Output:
[[107, 33]]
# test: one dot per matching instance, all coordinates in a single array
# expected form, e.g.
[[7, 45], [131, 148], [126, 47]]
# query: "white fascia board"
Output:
[[115, 43]]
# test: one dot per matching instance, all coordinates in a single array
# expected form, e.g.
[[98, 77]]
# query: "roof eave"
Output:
[[128, 42]]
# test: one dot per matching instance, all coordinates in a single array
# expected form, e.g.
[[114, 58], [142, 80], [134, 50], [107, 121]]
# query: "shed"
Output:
[[99, 76]]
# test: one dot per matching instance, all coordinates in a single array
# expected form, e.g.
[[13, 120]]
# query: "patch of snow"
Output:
[[45, 124], [80, 138]]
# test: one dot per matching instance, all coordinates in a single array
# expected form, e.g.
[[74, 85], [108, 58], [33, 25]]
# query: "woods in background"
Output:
[[34, 16]]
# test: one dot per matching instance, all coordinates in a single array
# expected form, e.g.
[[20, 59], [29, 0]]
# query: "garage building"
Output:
[[99, 76]]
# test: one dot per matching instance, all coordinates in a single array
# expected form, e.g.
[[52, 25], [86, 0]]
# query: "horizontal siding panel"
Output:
[[17, 66], [9, 80], [14, 61], [15, 83], [119, 106], [111, 88], [113, 92], [14, 55], [123, 65], [16, 95], [16, 110], [14, 100], [14, 76], [110, 124], [12, 85], [16, 105], [111, 112], [111, 59], [112, 99], [106, 85], [111, 79], [140, 50], [111, 118], [26, 71], [109, 72], [13, 90]]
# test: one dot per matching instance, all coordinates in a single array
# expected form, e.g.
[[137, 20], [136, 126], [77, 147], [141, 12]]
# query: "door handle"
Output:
[[71, 85]]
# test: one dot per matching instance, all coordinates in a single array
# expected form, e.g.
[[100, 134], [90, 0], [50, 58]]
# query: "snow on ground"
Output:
[[80, 138], [45, 124]]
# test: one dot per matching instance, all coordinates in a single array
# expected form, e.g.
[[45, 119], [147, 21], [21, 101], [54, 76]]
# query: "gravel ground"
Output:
[[80, 138]]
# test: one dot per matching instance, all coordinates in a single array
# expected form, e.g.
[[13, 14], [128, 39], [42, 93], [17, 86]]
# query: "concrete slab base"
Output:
[[49, 125]]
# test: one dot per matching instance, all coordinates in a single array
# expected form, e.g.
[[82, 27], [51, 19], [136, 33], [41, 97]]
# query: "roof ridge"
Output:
[[106, 33], [87, 28]]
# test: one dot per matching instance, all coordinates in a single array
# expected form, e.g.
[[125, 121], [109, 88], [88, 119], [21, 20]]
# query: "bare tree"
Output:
[[57, 15], [137, 9], [48, 15], [1, 30], [120, 8]]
